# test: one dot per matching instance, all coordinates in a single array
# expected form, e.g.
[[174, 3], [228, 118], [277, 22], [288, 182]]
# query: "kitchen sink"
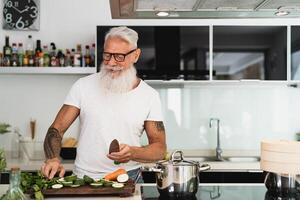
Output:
[[228, 159]]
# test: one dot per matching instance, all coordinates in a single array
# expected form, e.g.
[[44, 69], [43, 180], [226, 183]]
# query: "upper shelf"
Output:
[[47, 70]]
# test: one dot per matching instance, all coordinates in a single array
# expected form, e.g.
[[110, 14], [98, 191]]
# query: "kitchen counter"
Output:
[[32, 165], [136, 195], [205, 191]]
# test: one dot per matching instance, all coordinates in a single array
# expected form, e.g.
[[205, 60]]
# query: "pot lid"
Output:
[[177, 160]]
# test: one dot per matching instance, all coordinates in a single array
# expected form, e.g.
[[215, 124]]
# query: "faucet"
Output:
[[218, 149]]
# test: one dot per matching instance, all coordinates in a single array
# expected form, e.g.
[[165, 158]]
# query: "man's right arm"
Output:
[[52, 142]]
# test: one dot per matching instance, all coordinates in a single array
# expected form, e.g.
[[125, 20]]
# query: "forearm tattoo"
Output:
[[52, 143], [160, 126]]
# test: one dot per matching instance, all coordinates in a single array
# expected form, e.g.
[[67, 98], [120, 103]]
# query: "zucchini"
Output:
[[57, 186], [74, 185], [118, 185], [98, 184]]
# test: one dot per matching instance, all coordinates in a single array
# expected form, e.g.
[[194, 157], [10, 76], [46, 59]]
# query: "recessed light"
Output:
[[162, 14], [282, 13]]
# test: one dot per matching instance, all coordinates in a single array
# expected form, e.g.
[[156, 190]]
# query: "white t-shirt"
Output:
[[107, 116]]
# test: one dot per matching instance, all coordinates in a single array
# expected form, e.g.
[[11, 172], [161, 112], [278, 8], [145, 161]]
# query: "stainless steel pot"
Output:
[[178, 177], [282, 184]]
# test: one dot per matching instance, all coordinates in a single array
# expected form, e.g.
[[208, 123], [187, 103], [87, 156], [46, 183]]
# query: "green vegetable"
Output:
[[88, 179], [70, 178], [38, 195], [107, 183], [79, 181], [2, 160], [4, 128]]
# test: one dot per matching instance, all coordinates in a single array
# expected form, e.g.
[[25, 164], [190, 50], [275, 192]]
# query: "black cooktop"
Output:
[[222, 192]]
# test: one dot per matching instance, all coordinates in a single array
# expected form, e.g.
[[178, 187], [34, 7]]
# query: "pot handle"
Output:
[[152, 169], [173, 159], [204, 167]]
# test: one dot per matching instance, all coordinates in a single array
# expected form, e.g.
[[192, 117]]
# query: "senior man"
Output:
[[111, 104]]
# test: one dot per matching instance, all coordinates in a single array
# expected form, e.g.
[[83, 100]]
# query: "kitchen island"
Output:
[[205, 191]]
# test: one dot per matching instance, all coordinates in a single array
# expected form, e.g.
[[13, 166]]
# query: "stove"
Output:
[[222, 192]]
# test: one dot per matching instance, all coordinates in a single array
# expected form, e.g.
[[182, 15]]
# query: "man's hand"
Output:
[[51, 167], [124, 155]]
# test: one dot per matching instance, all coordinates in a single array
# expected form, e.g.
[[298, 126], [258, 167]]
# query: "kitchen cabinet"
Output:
[[250, 52], [232, 176], [295, 53], [168, 52]]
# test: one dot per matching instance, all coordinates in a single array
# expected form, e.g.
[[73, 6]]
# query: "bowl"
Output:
[[68, 153]]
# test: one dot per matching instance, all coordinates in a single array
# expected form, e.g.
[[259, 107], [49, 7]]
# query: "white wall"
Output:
[[68, 22]]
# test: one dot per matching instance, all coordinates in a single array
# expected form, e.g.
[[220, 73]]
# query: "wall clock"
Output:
[[21, 14]]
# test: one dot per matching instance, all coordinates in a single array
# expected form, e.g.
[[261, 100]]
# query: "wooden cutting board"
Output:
[[87, 190]]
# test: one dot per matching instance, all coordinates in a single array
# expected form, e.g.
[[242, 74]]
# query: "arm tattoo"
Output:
[[52, 143], [160, 126]]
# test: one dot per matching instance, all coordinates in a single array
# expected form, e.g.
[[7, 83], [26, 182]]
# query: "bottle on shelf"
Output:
[[87, 57], [1, 58], [14, 56], [46, 56], [52, 54], [93, 49], [29, 45], [29, 51], [7, 51], [72, 57], [61, 58], [78, 56], [38, 57], [21, 54], [68, 59]]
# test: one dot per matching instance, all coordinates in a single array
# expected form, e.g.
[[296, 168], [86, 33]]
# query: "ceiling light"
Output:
[[162, 14], [282, 13]]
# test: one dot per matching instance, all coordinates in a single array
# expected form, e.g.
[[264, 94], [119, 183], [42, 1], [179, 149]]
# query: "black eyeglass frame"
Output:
[[115, 55]]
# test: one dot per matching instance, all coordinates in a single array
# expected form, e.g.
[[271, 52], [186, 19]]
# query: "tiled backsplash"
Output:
[[247, 113]]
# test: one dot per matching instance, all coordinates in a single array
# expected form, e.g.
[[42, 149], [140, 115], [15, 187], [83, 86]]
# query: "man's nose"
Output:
[[112, 61]]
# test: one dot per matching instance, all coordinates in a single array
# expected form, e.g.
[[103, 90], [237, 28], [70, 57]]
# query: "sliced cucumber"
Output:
[[67, 183], [61, 179], [117, 185], [98, 184], [74, 185], [57, 186], [122, 178]]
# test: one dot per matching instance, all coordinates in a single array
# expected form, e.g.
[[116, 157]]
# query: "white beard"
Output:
[[116, 79]]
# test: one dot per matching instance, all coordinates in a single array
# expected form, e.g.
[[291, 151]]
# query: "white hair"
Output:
[[125, 33]]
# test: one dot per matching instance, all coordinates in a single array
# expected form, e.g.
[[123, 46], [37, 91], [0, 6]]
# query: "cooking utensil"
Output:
[[178, 177]]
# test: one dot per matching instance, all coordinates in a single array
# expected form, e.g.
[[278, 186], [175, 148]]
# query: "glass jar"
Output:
[[15, 192]]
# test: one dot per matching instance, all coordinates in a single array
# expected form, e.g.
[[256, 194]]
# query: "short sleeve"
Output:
[[74, 96], [155, 113]]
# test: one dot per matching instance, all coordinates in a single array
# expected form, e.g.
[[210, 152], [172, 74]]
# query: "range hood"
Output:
[[204, 9]]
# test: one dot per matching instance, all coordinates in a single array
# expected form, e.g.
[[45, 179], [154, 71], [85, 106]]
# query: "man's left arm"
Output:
[[155, 150]]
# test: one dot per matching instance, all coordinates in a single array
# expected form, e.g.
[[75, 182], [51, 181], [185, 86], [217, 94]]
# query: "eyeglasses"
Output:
[[119, 57]]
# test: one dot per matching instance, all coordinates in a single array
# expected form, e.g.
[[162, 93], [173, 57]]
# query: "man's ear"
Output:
[[137, 54]]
